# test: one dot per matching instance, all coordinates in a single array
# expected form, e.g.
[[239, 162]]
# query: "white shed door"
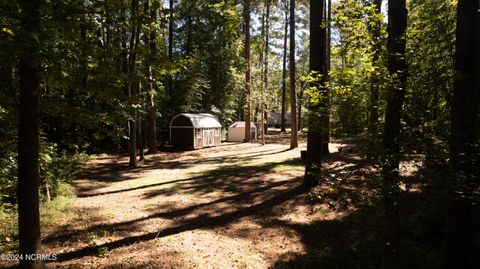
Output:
[[208, 137]]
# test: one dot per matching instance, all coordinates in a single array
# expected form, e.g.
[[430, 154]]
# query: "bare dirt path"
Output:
[[231, 206]]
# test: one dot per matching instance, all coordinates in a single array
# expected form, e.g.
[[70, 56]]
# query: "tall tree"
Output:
[[267, 51], [170, 45], [463, 136], [375, 80], [326, 114], [318, 37], [397, 68], [28, 135], [265, 30], [284, 69], [133, 84], [247, 70], [150, 42], [293, 95]]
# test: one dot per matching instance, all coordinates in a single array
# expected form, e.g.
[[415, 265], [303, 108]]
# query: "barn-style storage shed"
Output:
[[236, 131], [195, 130]]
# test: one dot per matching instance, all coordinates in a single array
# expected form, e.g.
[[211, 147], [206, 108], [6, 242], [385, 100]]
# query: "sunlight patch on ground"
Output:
[[239, 205]]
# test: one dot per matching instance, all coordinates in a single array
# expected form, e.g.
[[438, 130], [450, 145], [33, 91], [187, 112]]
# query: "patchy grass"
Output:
[[51, 214], [8, 232], [58, 210]]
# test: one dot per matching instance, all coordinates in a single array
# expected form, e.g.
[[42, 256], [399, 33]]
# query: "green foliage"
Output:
[[50, 213], [8, 222], [58, 167], [353, 64], [430, 54], [8, 177]]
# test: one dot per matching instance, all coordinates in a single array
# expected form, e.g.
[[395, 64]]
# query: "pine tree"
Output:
[[397, 24], [28, 136]]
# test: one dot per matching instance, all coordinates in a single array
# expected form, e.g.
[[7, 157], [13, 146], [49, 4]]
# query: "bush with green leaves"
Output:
[[56, 167]]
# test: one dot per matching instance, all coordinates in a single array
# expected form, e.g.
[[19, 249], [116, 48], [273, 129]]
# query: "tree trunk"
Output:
[[317, 67], [463, 137], [326, 114], [188, 45], [140, 136], [265, 75], [397, 24], [247, 70], [132, 126], [28, 137], [151, 121], [170, 48], [293, 95], [264, 63], [133, 86], [375, 80], [284, 70], [140, 132], [300, 97], [83, 59], [124, 66]]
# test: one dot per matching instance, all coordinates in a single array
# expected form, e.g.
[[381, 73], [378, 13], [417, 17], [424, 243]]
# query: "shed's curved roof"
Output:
[[199, 120]]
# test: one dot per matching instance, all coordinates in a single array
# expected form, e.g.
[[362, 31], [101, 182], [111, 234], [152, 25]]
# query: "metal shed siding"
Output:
[[236, 131], [189, 131], [198, 142], [182, 137]]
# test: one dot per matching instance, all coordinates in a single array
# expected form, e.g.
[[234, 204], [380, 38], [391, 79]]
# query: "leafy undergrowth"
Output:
[[51, 213]]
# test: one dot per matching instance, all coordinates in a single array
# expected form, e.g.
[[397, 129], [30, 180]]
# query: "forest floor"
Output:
[[238, 205]]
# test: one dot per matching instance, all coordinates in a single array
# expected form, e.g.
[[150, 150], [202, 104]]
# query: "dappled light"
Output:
[[220, 198], [205, 134]]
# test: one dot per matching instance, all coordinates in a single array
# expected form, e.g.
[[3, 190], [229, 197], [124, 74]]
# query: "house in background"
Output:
[[274, 119], [195, 130], [236, 131]]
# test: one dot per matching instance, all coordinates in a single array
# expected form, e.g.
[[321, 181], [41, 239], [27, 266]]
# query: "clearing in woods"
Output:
[[238, 205]]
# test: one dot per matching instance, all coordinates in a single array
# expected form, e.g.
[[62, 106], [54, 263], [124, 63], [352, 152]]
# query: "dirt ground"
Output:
[[238, 205]]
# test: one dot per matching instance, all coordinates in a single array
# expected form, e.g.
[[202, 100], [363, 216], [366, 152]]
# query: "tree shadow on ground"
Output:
[[246, 193], [348, 242], [100, 174], [350, 237], [355, 241], [230, 179], [200, 222], [240, 188]]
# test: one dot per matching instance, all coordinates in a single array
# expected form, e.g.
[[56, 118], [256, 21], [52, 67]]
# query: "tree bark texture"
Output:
[[326, 114], [28, 136], [318, 37], [151, 118], [397, 67], [266, 22], [293, 95], [299, 113], [133, 86], [247, 70], [463, 148], [140, 139], [284, 71], [170, 47]]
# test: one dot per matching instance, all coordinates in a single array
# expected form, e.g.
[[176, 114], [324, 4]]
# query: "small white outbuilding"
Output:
[[236, 131]]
